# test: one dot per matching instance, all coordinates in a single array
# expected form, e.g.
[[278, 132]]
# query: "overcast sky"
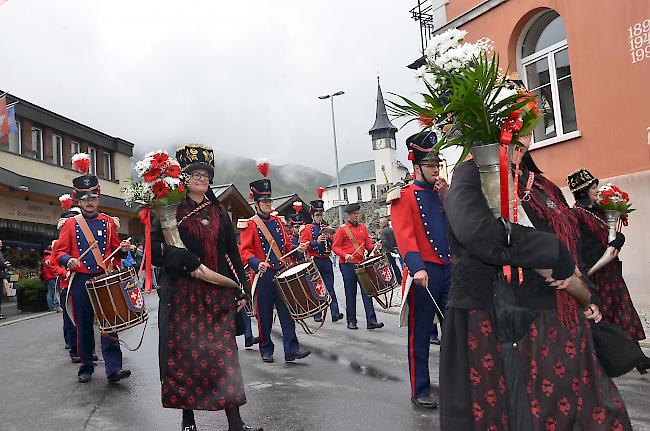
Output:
[[242, 76]]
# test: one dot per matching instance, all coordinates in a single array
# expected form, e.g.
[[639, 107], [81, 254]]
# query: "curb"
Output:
[[22, 319]]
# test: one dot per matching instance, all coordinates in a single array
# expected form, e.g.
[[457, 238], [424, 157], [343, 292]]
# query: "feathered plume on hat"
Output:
[[66, 201], [320, 191], [81, 163], [297, 206], [263, 167]]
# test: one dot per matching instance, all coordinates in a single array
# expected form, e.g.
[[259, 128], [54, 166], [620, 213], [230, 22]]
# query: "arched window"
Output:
[[373, 191], [345, 194], [547, 74], [359, 197]]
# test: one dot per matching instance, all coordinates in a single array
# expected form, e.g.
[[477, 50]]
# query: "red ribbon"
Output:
[[511, 126], [145, 219]]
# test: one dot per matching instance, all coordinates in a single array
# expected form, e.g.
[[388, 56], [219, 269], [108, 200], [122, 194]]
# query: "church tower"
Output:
[[384, 146]]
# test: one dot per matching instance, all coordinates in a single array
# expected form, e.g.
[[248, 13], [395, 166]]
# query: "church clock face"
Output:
[[381, 143]]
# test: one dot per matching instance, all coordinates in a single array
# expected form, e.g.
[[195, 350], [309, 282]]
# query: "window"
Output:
[[547, 74], [345, 194], [57, 150], [75, 148], [373, 191], [359, 197], [37, 144], [15, 139], [93, 161], [107, 166]]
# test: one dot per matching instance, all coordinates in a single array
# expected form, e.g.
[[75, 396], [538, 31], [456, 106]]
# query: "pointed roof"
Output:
[[382, 122]]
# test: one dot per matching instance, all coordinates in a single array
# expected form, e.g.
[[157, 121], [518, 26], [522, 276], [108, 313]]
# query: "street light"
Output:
[[336, 152]]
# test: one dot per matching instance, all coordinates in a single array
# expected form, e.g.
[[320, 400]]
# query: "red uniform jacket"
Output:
[[420, 227], [72, 243], [59, 272], [342, 245], [48, 273], [310, 235], [254, 246]]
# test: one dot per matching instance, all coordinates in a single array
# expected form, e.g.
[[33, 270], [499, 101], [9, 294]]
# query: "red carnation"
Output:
[[160, 189], [625, 196], [152, 175], [159, 160], [173, 171], [606, 201], [425, 120], [181, 187]]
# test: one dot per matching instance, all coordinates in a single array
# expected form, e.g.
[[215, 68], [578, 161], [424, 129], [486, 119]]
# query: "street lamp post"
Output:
[[336, 152]]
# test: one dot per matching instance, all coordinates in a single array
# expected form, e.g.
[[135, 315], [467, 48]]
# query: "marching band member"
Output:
[[351, 242], [420, 228], [197, 321], [98, 232], [296, 223], [264, 236], [319, 246]]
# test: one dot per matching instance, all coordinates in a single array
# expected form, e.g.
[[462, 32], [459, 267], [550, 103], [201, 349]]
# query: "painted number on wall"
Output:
[[640, 41]]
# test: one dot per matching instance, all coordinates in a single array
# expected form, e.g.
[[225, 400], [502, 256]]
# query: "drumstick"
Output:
[[115, 251], [291, 252]]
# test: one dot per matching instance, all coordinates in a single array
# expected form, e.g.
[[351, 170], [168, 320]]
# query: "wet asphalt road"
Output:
[[354, 380]]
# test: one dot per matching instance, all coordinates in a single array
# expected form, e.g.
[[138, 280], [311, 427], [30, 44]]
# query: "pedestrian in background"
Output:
[[50, 281], [4, 285]]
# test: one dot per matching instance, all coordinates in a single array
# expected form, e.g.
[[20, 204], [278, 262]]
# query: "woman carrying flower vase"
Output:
[[615, 302], [566, 386], [198, 354]]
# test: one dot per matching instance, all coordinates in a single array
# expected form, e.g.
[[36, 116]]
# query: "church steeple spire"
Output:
[[382, 127]]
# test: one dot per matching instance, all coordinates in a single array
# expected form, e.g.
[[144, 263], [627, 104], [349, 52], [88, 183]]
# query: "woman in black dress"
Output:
[[615, 302], [199, 361], [567, 388]]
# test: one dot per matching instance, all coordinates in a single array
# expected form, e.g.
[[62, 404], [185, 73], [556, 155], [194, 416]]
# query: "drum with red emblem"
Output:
[[303, 290], [376, 278], [117, 301]]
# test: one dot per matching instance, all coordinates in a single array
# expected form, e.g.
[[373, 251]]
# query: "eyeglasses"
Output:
[[199, 176], [431, 165]]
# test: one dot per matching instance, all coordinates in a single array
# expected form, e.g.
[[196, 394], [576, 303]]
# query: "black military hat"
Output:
[[85, 186], [352, 207], [194, 156], [261, 189], [580, 180], [316, 206], [421, 147], [296, 219]]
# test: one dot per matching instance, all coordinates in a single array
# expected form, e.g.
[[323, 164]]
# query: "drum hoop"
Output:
[[370, 261]]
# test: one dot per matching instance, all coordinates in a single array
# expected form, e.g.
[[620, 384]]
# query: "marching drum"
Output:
[[303, 291], [117, 301], [376, 278], [250, 311]]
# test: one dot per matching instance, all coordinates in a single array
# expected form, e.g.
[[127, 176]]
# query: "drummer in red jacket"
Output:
[[72, 242], [420, 227], [351, 242], [265, 232]]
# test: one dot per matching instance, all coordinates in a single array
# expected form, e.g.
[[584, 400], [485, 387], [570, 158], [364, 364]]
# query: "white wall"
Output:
[[330, 194]]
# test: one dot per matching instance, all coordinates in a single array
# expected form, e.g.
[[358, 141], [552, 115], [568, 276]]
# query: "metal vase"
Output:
[[611, 218], [169, 225]]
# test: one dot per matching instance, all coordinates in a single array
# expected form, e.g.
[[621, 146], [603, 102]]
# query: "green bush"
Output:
[[32, 289]]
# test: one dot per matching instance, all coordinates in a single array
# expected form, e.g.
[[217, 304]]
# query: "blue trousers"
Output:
[[267, 298], [69, 331], [248, 330], [350, 282], [52, 300], [84, 316], [324, 265], [420, 324]]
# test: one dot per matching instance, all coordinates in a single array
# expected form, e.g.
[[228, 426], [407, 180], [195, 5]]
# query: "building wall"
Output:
[[610, 93], [330, 194], [386, 157]]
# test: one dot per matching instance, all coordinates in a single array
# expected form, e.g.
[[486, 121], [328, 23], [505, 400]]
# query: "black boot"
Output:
[[188, 421], [235, 422]]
